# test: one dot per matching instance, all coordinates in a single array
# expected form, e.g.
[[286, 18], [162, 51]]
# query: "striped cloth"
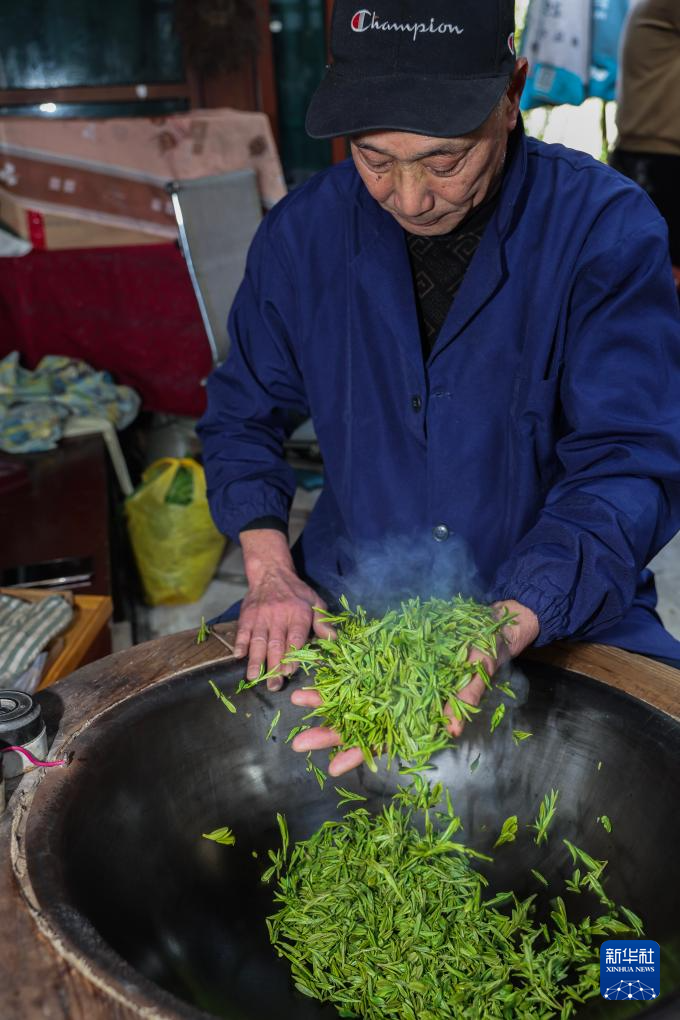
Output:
[[26, 628]]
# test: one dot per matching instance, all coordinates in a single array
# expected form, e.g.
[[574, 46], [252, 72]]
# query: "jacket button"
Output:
[[417, 403], [440, 533]]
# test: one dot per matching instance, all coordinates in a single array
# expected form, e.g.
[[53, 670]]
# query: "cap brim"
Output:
[[441, 108]]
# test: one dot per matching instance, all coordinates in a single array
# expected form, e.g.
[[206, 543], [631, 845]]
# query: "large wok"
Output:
[[110, 855]]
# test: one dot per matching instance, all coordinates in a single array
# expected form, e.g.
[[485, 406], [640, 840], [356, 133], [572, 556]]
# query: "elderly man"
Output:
[[485, 332]]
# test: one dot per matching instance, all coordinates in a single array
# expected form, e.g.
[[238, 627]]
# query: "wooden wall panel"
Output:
[[266, 73], [339, 146], [252, 87]]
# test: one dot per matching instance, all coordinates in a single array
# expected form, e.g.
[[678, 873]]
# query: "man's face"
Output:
[[428, 184]]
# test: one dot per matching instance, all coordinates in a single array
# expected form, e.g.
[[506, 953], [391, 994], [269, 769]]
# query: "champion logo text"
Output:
[[367, 21]]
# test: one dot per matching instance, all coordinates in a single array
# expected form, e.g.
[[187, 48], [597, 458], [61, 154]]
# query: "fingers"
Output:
[[277, 616], [258, 654], [242, 643], [276, 648], [281, 641], [490, 665], [321, 739], [319, 625], [455, 727], [345, 761], [471, 695], [520, 633], [306, 698], [268, 636], [474, 692], [297, 638], [317, 739]]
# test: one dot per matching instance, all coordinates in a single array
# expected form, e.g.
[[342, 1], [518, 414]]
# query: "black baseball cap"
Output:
[[429, 67]]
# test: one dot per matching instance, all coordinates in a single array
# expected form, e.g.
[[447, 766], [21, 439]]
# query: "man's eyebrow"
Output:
[[427, 154]]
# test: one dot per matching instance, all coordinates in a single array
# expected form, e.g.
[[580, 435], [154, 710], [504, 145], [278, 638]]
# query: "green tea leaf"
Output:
[[384, 917], [283, 828], [384, 683], [347, 796], [497, 717], [508, 832], [223, 698], [224, 836], [318, 773], [273, 724], [545, 816], [633, 919], [294, 732]]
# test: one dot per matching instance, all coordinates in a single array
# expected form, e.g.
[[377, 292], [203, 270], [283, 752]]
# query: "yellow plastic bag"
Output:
[[176, 545]]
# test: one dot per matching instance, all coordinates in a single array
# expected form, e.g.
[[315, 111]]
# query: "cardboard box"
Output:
[[98, 183], [53, 228]]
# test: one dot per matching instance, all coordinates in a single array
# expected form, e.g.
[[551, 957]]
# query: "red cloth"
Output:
[[131, 311]]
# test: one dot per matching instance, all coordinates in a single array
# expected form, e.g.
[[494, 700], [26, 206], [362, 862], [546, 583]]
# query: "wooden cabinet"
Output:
[[57, 524]]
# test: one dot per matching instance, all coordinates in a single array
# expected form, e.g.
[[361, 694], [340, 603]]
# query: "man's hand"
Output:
[[278, 610], [516, 637]]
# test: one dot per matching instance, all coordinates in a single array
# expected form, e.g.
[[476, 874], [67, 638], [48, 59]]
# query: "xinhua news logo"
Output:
[[630, 969]]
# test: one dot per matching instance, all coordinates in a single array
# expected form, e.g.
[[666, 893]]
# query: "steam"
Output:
[[385, 573], [512, 674]]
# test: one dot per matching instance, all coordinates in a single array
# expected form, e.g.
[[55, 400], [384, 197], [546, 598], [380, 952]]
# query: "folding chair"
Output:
[[217, 218]]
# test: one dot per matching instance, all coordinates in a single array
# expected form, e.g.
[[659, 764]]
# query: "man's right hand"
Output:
[[278, 609]]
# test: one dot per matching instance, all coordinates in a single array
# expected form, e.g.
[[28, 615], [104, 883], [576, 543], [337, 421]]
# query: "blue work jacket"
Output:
[[543, 429]]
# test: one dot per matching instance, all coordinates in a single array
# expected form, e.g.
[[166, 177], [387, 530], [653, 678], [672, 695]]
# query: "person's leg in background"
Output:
[[659, 176]]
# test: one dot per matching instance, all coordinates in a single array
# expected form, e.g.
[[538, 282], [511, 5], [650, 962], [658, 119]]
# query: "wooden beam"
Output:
[[267, 99], [339, 147], [195, 86], [96, 94], [329, 15]]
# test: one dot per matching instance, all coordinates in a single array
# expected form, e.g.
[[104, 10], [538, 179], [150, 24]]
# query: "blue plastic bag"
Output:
[[609, 18], [572, 47]]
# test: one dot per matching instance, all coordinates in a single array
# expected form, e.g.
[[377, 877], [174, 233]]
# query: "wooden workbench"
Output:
[[42, 978]]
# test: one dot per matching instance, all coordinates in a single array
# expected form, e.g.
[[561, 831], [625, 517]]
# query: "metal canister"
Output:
[[21, 725]]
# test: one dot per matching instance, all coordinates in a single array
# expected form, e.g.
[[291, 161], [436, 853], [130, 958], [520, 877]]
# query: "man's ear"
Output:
[[515, 90]]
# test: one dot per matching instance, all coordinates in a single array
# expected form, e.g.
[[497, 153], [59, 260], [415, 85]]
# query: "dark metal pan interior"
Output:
[[118, 856]]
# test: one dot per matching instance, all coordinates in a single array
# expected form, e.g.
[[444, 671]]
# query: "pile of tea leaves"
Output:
[[385, 682], [386, 919]]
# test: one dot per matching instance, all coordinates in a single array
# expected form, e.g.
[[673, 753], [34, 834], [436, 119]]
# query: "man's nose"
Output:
[[412, 198]]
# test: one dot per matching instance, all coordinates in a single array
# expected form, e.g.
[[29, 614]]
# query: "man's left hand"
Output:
[[515, 638]]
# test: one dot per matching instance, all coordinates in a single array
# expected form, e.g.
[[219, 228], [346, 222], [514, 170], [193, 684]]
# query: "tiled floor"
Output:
[[666, 567], [229, 586]]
